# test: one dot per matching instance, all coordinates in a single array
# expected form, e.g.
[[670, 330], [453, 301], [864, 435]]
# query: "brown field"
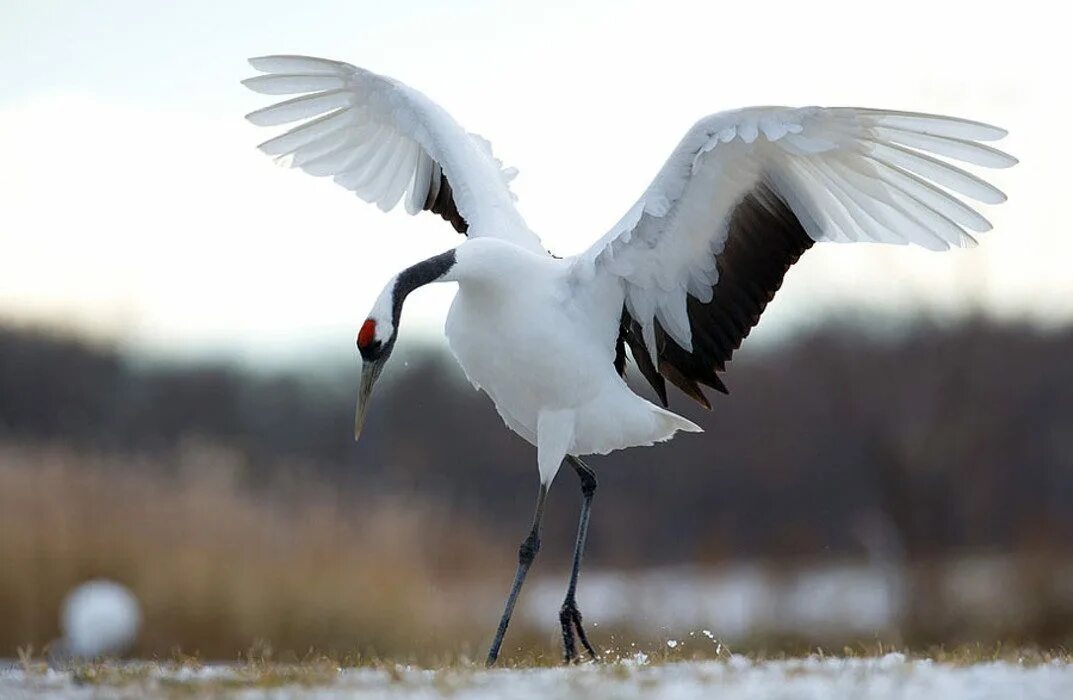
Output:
[[218, 568], [293, 568]]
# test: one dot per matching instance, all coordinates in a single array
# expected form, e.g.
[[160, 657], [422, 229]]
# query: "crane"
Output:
[[679, 281]]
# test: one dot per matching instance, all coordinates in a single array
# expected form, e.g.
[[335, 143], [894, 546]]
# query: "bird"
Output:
[[676, 284]]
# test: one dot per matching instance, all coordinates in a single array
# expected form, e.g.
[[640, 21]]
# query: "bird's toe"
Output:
[[570, 621]]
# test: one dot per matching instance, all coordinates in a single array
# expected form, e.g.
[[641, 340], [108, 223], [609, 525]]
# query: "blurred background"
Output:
[[177, 369]]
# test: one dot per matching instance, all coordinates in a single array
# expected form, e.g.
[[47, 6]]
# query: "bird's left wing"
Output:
[[385, 141], [745, 193]]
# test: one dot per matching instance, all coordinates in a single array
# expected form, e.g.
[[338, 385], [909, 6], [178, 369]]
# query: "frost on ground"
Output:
[[889, 676]]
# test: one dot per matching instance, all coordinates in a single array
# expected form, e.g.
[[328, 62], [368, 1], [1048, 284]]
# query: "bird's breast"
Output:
[[527, 348]]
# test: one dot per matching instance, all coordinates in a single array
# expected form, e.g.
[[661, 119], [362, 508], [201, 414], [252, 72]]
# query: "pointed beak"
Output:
[[369, 372]]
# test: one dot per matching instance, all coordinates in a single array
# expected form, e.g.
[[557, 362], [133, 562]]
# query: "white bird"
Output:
[[680, 280]]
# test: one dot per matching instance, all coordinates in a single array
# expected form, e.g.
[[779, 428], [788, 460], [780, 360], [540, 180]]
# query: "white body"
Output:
[[538, 334], [535, 350]]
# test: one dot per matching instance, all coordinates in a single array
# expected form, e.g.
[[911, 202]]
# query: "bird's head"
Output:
[[376, 339], [379, 331]]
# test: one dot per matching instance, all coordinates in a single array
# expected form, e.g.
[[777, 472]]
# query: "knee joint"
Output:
[[528, 549], [586, 475], [588, 485]]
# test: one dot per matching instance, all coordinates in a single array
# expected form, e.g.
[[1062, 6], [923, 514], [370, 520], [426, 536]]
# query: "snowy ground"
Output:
[[889, 676], [745, 601], [738, 601]]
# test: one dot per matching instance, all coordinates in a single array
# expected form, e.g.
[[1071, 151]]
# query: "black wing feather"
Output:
[[440, 200], [764, 239]]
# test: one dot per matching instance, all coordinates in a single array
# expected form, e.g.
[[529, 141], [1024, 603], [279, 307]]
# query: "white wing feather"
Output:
[[384, 141], [847, 174]]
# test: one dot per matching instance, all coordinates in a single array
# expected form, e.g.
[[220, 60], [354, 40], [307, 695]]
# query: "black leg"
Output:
[[526, 553], [569, 615]]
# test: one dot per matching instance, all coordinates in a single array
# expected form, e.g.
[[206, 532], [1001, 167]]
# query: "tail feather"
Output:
[[620, 419], [673, 422]]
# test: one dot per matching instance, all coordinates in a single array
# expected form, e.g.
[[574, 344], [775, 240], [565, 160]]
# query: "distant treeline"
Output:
[[834, 443]]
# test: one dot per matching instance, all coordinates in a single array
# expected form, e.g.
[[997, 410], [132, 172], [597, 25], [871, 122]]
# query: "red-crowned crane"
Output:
[[680, 280]]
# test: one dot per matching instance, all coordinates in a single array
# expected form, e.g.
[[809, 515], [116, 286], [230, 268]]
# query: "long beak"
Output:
[[369, 372]]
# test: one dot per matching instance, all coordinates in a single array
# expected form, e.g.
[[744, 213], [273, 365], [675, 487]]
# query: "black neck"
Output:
[[419, 275]]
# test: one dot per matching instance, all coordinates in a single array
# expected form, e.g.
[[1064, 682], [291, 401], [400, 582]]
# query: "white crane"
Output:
[[680, 280]]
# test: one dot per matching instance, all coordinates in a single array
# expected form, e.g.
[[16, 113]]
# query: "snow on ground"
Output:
[[738, 601], [890, 676], [743, 601]]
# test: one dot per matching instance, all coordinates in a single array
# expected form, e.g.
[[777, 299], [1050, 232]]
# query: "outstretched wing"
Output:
[[747, 192], [385, 142]]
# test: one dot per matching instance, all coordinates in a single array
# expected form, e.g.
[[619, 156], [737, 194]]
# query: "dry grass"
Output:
[[225, 573], [217, 568]]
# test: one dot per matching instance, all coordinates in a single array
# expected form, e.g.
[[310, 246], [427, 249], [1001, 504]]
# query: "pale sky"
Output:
[[133, 204]]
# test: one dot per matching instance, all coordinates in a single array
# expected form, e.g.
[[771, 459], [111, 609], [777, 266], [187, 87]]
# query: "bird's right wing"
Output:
[[745, 193], [385, 141]]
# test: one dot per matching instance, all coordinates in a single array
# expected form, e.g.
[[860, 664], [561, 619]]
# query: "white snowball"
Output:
[[100, 617]]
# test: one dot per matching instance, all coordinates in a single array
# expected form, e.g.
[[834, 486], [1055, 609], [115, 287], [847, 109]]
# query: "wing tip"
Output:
[[971, 128], [1011, 160], [982, 131], [289, 63], [256, 62], [255, 117]]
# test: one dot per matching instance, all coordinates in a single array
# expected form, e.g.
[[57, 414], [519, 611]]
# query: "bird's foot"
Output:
[[570, 620]]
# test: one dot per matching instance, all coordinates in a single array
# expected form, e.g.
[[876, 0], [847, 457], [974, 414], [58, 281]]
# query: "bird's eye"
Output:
[[367, 333]]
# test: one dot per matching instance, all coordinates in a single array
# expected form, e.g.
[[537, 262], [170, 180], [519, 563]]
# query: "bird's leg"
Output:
[[526, 553], [569, 615]]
